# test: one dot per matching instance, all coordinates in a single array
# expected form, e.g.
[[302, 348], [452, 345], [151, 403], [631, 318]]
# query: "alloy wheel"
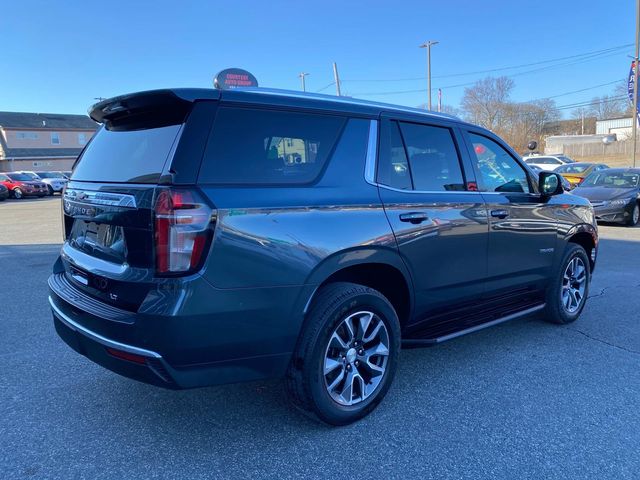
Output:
[[356, 358], [574, 285]]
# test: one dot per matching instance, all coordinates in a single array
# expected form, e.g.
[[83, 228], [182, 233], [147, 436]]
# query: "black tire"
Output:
[[50, 190], [17, 193], [555, 310], [305, 379], [634, 218]]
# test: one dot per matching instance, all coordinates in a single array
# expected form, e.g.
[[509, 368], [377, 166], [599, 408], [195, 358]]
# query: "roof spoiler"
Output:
[[163, 107]]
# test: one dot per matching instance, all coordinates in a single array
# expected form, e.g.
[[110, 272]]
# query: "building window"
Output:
[[55, 138], [26, 135], [82, 139]]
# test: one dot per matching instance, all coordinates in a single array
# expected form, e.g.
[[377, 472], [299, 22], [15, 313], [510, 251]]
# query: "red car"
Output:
[[21, 185]]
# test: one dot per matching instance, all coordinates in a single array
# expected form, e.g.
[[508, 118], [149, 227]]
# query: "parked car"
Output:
[[4, 192], [55, 181], [614, 194], [548, 162], [21, 185], [575, 173], [197, 254]]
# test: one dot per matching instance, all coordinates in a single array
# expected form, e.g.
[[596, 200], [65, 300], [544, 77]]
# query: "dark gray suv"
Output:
[[223, 236]]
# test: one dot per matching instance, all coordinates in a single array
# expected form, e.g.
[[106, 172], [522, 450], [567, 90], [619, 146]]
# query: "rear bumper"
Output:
[[175, 351], [35, 193]]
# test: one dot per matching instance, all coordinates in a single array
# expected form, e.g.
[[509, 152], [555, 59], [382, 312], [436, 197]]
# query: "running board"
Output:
[[425, 342]]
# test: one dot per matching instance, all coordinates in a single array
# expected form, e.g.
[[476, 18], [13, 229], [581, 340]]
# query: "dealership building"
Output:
[[42, 141]]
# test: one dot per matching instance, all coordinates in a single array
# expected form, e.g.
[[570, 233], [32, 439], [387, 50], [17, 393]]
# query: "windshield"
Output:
[[20, 177], [576, 168], [612, 180]]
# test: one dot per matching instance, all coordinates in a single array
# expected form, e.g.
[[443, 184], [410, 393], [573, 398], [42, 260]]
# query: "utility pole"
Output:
[[428, 46], [635, 84], [582, 118], [336, 78], [302, 75]]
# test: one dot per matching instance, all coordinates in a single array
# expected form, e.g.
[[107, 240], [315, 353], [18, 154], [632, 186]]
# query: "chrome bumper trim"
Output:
[[97, 337]]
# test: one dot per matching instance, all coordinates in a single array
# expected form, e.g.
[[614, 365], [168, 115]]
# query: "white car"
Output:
[[548, 162], [55, 181]]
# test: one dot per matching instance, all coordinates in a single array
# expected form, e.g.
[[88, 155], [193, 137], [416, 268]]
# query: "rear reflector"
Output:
[[182, 230], [127, 356]]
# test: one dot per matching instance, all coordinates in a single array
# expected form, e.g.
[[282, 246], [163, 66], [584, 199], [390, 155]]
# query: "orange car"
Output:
[[575, 173]]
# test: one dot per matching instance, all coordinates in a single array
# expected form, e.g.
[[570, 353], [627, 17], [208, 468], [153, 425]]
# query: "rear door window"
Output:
[[433, 158], [393, 167], [137, 156], [263, 147]]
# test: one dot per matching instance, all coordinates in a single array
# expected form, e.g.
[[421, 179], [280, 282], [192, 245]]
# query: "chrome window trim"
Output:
[[372, 153], [73, 325], [443, 192]]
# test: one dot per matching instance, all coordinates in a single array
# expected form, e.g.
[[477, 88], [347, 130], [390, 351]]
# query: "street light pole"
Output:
[[635, 84], [428, 45], [302, 75]]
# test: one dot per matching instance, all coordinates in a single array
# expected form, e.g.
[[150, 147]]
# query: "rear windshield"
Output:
[[263, 147], [136, 156]]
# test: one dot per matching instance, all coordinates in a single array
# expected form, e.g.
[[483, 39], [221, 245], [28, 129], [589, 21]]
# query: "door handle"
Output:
[[414, 217], [499, 213]]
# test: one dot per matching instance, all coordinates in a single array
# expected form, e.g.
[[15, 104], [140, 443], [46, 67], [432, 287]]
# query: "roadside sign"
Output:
[[231, 78], [630, 84]]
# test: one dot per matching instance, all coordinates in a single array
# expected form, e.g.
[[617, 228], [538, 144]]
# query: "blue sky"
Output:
[[58, 56]]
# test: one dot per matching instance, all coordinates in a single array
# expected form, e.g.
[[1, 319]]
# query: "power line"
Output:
[[325, 87], [581, 90], [517, 74], [558, 59], [591, 102]]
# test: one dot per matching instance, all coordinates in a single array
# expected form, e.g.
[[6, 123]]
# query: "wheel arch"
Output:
[[586, 236], [377, 268]]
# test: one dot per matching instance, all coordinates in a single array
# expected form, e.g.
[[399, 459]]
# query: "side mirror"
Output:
[[550, 183]]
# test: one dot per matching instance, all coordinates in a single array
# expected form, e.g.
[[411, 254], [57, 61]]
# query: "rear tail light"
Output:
[[183, 228]]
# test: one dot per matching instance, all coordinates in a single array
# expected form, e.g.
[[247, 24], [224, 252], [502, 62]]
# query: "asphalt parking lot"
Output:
[[522, 400]]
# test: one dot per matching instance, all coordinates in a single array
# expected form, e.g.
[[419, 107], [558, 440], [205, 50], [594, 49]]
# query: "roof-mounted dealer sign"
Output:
[[231, 78]]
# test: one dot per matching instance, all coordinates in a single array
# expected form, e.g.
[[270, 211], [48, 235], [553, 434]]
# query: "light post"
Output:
[[428, 45], [635, 84], [302, 75]]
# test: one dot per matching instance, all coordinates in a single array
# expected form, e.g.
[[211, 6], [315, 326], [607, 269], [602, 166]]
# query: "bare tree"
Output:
[[448, 109], [525, 121], [607, 106], [622, 90], [583, 123], [484, 103]]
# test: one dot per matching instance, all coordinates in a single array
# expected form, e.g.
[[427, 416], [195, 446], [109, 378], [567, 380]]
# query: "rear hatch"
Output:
[[131, 217]]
